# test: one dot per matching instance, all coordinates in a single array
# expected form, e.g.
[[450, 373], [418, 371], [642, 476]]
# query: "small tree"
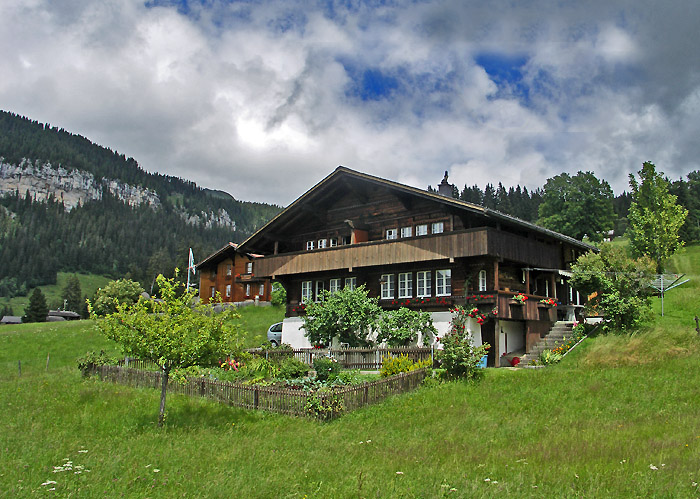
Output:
[[459, 357], [37, 310], [72, 294], [654, 217], [619, 285], [401, 327], [172, 332], [349, 315], [121, 291]]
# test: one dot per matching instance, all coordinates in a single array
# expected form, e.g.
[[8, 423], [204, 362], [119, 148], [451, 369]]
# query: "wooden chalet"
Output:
[[233, 274], [420, 249]]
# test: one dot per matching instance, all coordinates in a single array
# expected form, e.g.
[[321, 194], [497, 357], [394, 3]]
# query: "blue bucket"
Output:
[[482, 362]]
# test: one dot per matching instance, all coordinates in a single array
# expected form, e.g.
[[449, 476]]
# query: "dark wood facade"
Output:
[[232, 274], [356, 229]]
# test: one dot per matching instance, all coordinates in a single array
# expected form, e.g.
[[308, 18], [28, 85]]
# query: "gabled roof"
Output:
[[227, 251], [342, 173]]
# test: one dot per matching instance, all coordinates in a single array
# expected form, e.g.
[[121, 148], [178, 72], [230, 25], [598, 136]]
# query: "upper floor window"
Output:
[[212, 274], [333, 241], [345, 240], [406, 231], [482, 280], [405, 285], [334, 285], [309, 245], [391, 233], [387, 286], [423, 284], [228, 270], [321, 243], [443, 282], [351, 283], [422, 230], [438, 227], [306, 291], [249, 268]]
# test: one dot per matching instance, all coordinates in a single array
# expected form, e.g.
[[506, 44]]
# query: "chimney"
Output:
[[445, 188]]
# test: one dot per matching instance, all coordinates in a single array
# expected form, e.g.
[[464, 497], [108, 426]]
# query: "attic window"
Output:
[[228, 270], [422, 230], [333, 241], [438, 227], [406, 231], [309, 245], [249, 268], [391, 233], [321, 243]]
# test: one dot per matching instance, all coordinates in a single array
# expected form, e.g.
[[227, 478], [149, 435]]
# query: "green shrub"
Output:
[[325, 404], [279, 295], [548, 357], [291, 368], [401, 327], [327, 368], [459, 357], [401, 364], [90, 360], [259, 368]]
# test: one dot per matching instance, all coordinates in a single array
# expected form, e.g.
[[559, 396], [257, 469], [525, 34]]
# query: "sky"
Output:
[[264, 99]]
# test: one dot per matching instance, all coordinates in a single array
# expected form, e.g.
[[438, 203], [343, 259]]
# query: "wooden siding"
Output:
[[459, 244], [238, 280]]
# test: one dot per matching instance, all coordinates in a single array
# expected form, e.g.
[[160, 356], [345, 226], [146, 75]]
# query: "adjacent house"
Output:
[[420, 249], [233, 275]]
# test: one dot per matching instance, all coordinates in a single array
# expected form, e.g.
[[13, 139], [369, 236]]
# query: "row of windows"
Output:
[[307, 288], [421, 230], [248, 290], [328, 243], [423, 284], [229, 270]]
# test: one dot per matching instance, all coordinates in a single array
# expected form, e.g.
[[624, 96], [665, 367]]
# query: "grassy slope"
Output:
[[576, 429], [89, 283]]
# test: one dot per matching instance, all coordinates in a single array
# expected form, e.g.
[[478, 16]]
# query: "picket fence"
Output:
[[349, 358], [289, 401]]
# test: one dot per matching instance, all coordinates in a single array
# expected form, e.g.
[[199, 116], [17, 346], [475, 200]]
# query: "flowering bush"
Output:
[[459, 357], [401, 364], [440, 300], [327, 368], [520, 298], [549, 301], [300, 309]]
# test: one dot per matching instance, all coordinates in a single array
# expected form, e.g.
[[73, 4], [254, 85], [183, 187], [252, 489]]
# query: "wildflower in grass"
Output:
[[652, 467], [399, 472], [156, 470], [48, 482], [82, 451]]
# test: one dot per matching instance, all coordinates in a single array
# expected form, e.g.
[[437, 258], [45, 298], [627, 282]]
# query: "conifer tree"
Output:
[[37, 310], [72, 294]]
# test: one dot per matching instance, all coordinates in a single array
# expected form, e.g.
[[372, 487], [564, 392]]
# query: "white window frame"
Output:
[[307, 291], [392, 233], [546, 287], [229, 269], [424, 283], [482, 280], [334, 285], [319, 290], [249, 267], [422, 230], [437, 227], [406, 285], [443, 282], [309, 245], [387, 287], [351, 283], [333, 242], [322, 243], [247, 289], [261, 290], [212, 291], [228, 291], [407, 231]]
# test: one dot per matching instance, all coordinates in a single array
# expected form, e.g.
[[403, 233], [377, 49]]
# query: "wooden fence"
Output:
[[274, 399], [349, 358]]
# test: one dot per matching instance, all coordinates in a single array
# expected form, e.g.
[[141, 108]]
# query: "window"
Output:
[[228, 290], [423, 284], [334, 285], [406, 231], [405, 285], [391, 233], [422, 230], [212, 291], [333, 241], [321, 243], [546, 287], [482, 280], [387, 286], [443, 282], [247, 289], [306, 291], [351, 283], [261, 290], [571, 294], [319, 290], [438, 227], [346, 240], [228, 270], [249, 268], [309, 245]]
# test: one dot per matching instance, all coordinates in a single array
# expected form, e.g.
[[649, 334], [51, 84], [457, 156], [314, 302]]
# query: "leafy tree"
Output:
[[654, 217], [122, 291], [172, 332], [37, 310], [72, 294], [577, 206], [401, 327], [619, 285], [279, 295], [349, 315]]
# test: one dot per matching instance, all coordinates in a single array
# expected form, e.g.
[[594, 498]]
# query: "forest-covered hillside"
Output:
[[106, 236]]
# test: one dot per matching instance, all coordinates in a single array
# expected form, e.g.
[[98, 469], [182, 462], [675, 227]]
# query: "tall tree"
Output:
[[577, 206], [37, 310], [72, 294], [654, 216]]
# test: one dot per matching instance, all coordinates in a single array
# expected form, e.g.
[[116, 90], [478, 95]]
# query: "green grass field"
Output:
[[619, 417], [89, 283]]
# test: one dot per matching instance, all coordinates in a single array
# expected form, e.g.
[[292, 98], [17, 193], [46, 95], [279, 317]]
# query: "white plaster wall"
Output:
[[293, 334], [515, 331]]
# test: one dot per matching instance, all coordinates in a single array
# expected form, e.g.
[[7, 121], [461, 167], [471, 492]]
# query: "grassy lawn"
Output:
[[620, 417]]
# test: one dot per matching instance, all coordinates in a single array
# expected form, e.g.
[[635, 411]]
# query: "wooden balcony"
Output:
[[458, 244]]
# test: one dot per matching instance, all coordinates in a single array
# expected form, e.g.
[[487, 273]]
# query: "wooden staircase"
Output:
[[553, 339]]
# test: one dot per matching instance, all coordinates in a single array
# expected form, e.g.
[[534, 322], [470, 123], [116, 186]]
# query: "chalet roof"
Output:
[[342, 173], [11, 319], [227, 251]]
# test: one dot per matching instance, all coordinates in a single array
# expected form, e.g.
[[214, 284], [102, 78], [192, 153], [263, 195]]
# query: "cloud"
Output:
[[265, 99]]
